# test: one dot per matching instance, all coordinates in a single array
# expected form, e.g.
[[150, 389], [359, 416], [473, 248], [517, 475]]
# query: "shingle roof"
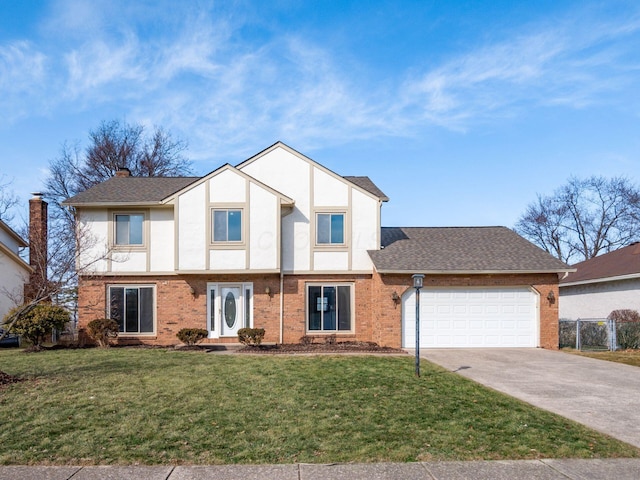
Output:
[[460, 250], [621, 262], [366, 184], [133, 190]]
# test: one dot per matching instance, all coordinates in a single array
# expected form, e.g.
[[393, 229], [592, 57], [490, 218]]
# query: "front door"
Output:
[[231, 312]]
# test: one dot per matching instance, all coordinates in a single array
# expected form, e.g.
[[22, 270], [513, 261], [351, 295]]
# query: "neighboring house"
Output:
[[602, 284], [14, 271], [283, 243], [19, 280]]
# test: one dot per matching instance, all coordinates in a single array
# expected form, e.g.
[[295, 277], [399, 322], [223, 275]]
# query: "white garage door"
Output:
[[471, 317]]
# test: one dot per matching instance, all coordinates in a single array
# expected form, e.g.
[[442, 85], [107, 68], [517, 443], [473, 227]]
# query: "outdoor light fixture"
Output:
[[551, 297], [267, 290], [192, 291], [395, 297], [417, 284]]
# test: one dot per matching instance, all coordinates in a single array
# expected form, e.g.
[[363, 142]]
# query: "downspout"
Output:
[[281, 304], [281, 287]]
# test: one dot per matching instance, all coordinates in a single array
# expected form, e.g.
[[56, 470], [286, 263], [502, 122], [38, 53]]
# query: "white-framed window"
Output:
[[133, 307], [129, 228], [330, 229], [226, 225], [330, 307], [229, 308]]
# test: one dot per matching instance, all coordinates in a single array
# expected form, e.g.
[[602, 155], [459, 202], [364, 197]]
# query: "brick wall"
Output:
[[177, 307], [377, 317]]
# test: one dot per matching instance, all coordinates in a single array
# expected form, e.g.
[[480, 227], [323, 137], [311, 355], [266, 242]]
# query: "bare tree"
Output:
[[57, 271], [114, 145], [8, 200], [584, 218]]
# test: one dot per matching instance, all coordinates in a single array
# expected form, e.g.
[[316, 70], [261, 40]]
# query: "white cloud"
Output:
[[22, 76], [203, 79]]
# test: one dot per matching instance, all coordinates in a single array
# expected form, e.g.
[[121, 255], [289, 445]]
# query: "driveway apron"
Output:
[[599, 394]]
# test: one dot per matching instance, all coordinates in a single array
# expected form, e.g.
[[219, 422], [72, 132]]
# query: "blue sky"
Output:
[[460, 111]]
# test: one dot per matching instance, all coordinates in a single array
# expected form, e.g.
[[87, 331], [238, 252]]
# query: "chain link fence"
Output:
[[599, 334]]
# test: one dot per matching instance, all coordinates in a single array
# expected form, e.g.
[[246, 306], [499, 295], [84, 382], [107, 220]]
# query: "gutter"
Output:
[[473, 272], [629, 276]]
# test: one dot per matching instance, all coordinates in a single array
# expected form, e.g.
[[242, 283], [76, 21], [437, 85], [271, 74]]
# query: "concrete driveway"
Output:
[[602, 395]]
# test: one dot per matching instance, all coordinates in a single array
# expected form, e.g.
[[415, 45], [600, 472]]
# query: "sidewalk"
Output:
[[620, 469]]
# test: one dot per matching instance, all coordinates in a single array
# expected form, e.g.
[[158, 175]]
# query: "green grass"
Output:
[[630, 357], [125, 406]]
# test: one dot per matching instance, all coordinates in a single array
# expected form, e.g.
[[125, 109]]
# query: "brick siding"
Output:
[[377, 317]]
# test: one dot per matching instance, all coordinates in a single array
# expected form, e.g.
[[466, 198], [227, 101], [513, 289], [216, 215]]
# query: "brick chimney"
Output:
[[123, 172], [37, 246]]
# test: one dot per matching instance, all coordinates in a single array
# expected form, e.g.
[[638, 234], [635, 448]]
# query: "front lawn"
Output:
[[154, 406], [630, 357]]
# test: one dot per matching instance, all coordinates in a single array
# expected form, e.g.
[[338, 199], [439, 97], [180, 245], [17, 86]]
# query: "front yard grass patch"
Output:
[[154, 406], [630, 357]]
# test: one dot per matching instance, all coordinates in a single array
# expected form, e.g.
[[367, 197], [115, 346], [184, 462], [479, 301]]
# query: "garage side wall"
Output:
[[387, 315]]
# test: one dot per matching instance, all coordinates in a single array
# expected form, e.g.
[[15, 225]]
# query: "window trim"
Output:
[[243, 225], [345, 229], [153, 307], [113, 232], [352, 310]]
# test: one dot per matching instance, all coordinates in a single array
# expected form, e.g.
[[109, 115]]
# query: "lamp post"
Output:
[[417, 284]]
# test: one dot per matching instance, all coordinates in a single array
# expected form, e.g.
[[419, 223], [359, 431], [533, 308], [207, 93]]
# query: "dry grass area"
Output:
[[630, 357]]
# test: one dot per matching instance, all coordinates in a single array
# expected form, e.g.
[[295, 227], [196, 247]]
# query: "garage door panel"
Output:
[[476, 317]]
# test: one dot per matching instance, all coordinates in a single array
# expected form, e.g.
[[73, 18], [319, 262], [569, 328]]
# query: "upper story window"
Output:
[[330, 229], [129, 228], [227, 225]]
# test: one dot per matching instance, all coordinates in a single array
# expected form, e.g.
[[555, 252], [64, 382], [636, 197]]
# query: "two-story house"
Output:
[[282, 243]]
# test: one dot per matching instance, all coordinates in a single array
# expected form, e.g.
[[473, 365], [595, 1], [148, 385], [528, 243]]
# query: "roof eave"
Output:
[[113, 204], [629, 276], [16, 258], [472, 272], [13, 234]]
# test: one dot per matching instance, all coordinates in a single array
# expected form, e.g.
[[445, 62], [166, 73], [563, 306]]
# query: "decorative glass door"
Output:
[[229, 308]]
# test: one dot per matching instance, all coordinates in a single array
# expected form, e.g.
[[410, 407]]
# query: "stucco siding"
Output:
[[263, 236], [162, 244], [227, 186], [331, 261], [93, 230], [328, 191], [129, 262], [598, 300], [220, 260], [364, 229], [192, 234], [296, 184]]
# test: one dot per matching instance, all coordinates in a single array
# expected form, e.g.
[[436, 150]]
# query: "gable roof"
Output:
[[617, 265], [130, 190], [366, 184], [362, 183], [284, 200], [434, 250]]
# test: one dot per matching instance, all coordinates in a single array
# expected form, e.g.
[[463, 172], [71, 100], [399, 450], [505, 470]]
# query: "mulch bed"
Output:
[[339, 347], [6, 379]]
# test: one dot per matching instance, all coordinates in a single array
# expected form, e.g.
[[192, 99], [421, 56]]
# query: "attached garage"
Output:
[[483, 287], [472, 317]]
